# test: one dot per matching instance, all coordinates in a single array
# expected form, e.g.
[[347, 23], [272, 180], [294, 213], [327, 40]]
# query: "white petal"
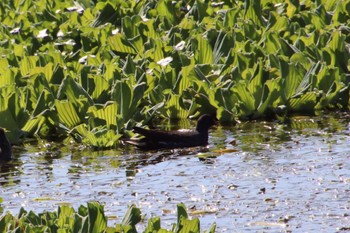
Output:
[[42, 34], [180, 46], [165, 61]]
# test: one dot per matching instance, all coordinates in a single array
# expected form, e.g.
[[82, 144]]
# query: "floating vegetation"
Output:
[[92, 219], [91, 71]]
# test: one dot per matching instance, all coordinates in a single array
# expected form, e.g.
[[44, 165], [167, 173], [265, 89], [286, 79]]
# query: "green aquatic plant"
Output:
[[91, 218], [91, 71]]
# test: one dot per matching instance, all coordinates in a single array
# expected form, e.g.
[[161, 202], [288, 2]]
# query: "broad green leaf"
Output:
[[202, 9], [156, 52], [247, 101], [66, 217], [190, 225], [291, 76], [130, 27], [108, 113], [253, 11], [340, 14], [203, 52], [34, 124], [138, 44], [120, 43], [175, 107], [97, 219], [67, 113], [7, 78], [231, 17], [324, 17], [291, 8], [48, 71], [99, 137], [255, 86], [181, 212], [108, 14], [187, 23], [101, 87], [132, 216], [33, 218], [19, 50], [148, 30], [184, 79], [9, 108], [165, 9], [330, 5], [305, 103], [74, 92], [277, 23], [28, 64], [302, 59], [122, 94], [272, 43], [243, 62], [153, 225]]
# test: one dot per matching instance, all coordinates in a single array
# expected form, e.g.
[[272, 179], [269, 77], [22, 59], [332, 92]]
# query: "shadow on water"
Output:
[[254, 176], [10, 173]]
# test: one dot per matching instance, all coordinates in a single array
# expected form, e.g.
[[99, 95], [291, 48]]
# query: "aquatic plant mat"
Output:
[[91, 219], [91, 70]]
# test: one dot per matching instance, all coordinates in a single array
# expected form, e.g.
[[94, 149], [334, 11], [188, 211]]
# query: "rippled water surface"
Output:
[[254, 177]]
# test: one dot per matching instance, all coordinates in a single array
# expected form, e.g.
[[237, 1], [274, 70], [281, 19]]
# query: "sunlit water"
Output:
[[255, 177]]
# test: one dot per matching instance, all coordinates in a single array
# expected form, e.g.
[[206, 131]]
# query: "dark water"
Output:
[[254, 177]]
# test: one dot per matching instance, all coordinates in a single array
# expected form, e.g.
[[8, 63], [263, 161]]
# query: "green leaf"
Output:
[[212, 228], [101, 87], [153, 225], [291, 76], [108, 14], [190, 225], [272, 43], [202, 9], [305, 103], [74, 92], [97, 219], [165, 9], [181, 212], [34, 124], [67, 113], [106, 112], [28, 64], [253, 11], [231, 17], [340, 14], [99, 137], [32, 218], [175, 107], [65, 218], [132, 217], [255, 86], [8, 106], [120, 43], [203, 51], [247, 101]]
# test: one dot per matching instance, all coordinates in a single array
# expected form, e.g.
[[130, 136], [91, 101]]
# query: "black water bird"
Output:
[[5, 146], [160, 139]]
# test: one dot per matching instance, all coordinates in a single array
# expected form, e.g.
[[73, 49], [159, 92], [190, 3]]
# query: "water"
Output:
[[254, 177]]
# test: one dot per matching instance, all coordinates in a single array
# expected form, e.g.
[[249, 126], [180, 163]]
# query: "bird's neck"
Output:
[[202, 130], [5, 151]]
